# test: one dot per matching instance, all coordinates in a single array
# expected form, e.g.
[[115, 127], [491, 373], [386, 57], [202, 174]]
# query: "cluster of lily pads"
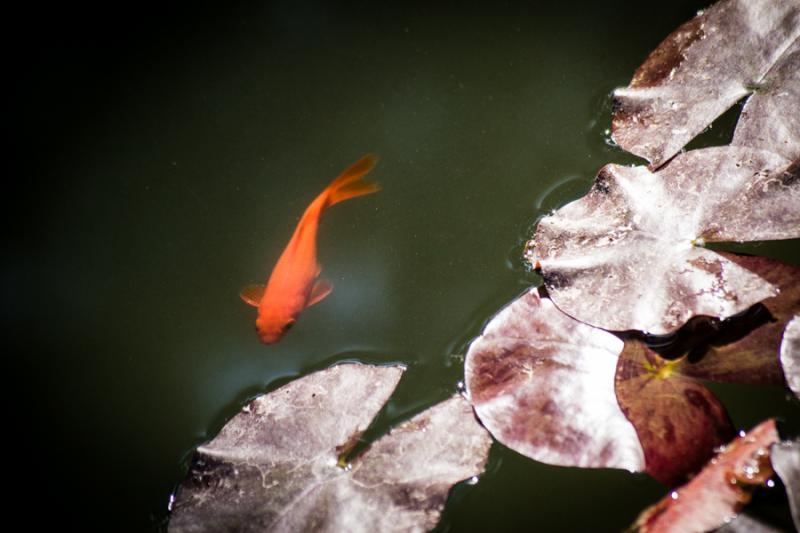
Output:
[[570, 373]]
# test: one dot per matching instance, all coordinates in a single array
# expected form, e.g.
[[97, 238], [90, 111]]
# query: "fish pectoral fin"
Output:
[[252, 294], [321, 288]]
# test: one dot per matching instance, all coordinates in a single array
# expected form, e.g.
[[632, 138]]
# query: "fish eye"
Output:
[[288, 325]]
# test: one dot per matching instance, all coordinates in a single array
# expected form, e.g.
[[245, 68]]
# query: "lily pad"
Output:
[[785, 457], [679, 421], [790, 355], [543, 384], [771, 117], [701, 70], [279, 465], [717, 493], [626, 256]]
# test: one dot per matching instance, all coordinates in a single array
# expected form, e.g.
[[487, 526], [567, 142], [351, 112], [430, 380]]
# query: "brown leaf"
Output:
[[632, 241], [277, 465], [679, 422], [699, 71], [717, 493], [543, 384]]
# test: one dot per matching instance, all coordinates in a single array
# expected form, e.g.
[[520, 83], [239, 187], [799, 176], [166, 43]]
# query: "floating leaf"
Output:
[[790, 355], [785, 457], [625, 256], [771, 117], [745, 349], [679, 421], [717, 493], [278, 464], [543, 385], [699, 71]]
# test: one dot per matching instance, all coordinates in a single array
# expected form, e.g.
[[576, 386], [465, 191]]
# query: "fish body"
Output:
[[294, 283]]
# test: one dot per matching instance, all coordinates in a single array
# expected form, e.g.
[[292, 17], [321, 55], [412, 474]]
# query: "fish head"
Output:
[[272, 329]]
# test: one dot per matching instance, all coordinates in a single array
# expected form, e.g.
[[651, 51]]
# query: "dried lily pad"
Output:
[[717, 493], [277, 465], [746, 349], [785, 457], [625, 256], [790, 355], [771, 117], [699, 71], [543, 385], [678, 420]]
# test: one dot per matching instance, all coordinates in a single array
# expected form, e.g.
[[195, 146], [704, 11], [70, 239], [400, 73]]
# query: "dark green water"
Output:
[[163, 157]]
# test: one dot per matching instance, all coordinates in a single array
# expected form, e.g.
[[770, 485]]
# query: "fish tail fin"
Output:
[[351, 183]]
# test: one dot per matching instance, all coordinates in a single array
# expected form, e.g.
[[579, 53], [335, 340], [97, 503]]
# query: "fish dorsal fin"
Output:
[[321, 288], [252, 294]]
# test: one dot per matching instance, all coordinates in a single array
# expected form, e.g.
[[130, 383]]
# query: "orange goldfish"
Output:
[[294, 284]]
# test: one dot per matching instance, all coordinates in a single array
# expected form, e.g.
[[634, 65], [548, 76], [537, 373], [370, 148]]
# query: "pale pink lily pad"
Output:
[[278, 464], [543, 384], [701, 70], [628, 255]]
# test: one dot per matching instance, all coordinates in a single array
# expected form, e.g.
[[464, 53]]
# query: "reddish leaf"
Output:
[[543, 384], [699, 71], [678, 420], [716, 494]]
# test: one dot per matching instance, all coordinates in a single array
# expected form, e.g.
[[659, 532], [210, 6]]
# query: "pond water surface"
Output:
[[168, 154]]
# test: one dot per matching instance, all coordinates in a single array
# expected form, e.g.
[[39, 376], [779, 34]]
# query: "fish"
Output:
[[294, 283]]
